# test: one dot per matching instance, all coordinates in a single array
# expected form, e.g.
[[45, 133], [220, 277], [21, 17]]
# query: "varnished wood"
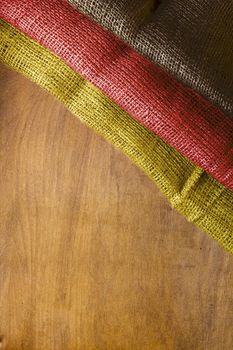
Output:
[[92, 257]]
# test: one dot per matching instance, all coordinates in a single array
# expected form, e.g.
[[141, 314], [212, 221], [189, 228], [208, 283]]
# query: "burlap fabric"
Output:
[[181, 117], [190, 190], [192, 39]]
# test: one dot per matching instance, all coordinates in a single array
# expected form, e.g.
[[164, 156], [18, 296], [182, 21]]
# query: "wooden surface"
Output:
[[92, 257]]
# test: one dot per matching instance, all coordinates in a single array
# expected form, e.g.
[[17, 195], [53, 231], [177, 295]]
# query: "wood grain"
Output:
[[92, 257]]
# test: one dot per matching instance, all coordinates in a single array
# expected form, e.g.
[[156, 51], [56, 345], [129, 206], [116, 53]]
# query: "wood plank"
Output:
[[92, 256]]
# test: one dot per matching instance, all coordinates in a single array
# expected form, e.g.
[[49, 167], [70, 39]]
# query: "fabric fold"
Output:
[[197, 196], [190, 39], [182, 118]]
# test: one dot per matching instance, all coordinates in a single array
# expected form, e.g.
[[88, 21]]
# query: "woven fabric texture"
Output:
[[178, 115], [192, 39], [190, 190], [128, 15]]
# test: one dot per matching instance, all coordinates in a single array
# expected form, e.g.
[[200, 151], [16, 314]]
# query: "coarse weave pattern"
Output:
[[192, 39], [178, 115], [193, 192], [125, 12]]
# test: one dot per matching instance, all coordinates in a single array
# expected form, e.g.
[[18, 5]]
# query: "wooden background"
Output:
[[92, 257]]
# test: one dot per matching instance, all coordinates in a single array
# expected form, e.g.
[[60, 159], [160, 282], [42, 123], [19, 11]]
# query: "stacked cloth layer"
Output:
[[176, 113], [192, 39], [163, 109], [190, 190]]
